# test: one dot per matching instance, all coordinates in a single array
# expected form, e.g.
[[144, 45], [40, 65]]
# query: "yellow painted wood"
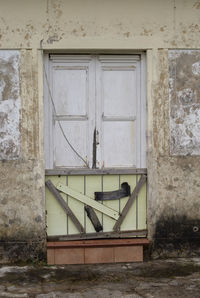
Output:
[[56, 216], [142, 208], [76, 182], [92, 183], [110, 183], [57, 219], [88, 201], [129, 222]]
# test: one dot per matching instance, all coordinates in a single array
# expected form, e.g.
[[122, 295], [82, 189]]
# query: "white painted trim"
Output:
[[143, 84], [118, 67], [70, 58], [70, 117], [48, 120], [99, 112], [115, 58], [118, 118]]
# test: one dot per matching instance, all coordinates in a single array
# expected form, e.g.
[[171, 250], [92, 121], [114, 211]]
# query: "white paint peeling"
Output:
[[186, 134], [10, 105], [184, 102], [186, 96], [174, 54], [196, 68], [2, 86]]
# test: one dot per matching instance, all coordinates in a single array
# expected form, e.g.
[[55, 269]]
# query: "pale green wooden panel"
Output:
[[129, 222], [110, 183], [76, 183], [92, 183], [56, 216], [142, 208], [58, 222]]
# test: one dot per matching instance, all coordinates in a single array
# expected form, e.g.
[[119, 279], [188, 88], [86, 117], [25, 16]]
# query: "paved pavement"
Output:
[[159, 279]]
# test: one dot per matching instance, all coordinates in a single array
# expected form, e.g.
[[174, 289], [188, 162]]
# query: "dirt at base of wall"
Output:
[[176, 236], [22, 251]]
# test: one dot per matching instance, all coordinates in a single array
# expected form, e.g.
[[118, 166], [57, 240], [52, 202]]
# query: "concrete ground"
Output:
[[159, 279]]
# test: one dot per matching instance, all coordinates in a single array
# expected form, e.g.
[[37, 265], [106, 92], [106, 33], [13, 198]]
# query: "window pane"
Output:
[[76, 132], [119, 93], [70, 91], [119, 144]]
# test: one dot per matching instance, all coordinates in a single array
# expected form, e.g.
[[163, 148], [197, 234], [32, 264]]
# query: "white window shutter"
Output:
[[72, 90], [95, 92], [118, 113]]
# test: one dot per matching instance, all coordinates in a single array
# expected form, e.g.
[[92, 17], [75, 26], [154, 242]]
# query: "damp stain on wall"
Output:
[[176, 235], [10, 105]]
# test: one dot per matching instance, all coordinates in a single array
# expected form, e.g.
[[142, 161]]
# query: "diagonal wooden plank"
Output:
[[129, 203], [64, 205], [88, 201]]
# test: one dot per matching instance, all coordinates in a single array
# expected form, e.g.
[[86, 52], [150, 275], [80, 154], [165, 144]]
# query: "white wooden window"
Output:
[[99, 102]]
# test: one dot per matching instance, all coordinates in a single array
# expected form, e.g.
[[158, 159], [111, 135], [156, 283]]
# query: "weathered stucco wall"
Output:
[[22, 202], [173, 213], [114, 24], [172, 100]]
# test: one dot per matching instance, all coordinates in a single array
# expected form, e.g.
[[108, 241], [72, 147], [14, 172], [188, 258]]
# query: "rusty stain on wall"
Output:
[[184, 77], [10, 105]]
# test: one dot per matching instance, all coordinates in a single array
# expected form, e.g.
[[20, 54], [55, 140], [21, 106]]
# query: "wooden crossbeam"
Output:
[[129, 203], [64, 205], [99, 235], [88, 201]]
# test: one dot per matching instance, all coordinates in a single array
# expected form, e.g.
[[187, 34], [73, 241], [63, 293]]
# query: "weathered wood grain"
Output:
[[100, 235]]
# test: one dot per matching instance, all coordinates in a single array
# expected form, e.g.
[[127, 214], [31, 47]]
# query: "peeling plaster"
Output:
[[196, 68], [10, 105], [184, 75]]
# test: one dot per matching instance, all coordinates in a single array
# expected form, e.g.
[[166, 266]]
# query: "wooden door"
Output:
[[94, 142]]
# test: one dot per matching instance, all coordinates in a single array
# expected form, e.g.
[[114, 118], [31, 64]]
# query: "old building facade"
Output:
[[154, 49]]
